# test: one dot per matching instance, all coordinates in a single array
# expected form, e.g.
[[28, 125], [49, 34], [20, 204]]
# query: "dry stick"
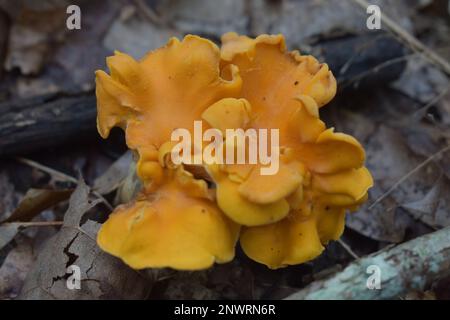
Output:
[[61, 176], [349, 62], [413, 265], [148, 12], [406, 176], [436, 99], [386, 64], [377, 68], [413, 42], [347, 248], [35, 224], [46, 169]]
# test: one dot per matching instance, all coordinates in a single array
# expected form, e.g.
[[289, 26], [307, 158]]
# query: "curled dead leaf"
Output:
[[102, 276]]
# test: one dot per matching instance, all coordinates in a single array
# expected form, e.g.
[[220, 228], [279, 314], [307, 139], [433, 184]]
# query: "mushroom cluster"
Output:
[[189, 217]]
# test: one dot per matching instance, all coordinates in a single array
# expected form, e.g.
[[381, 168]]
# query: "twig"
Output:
[[413, 265], [413, 42], [384, 65], [377, 68], [148, 12], [34, 224], [406, 176], [357, 52], [46, 169], [419, 113], [347, 248], [60, 175]]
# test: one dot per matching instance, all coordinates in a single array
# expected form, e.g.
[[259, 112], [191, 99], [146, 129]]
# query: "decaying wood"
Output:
[[4, 32], [410, 40], [27, 125], [362, 61], [413, 265]]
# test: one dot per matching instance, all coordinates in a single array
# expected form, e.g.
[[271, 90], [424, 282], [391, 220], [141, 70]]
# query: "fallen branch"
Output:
[[34, 224], [4, 34], [410, 40], [28, 125], [365, 60], [413, 265]]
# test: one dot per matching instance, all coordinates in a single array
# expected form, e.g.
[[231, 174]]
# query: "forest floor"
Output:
[[399, 109]]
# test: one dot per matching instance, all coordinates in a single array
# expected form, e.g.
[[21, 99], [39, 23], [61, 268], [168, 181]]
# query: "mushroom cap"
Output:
[[167, 89], [177, 226], [318, 168], [181, 221]]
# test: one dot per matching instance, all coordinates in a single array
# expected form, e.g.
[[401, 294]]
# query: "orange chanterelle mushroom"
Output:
[[190, 216]]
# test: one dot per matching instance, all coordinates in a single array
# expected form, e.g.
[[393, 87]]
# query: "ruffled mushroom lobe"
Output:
[[285, 91], [177, 226], [189, 222]]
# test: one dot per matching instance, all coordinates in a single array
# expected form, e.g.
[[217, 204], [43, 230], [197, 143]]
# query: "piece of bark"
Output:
[[44, 121], [365, 60], [4, 34], [413, 265], [102, 276], [28, 125]]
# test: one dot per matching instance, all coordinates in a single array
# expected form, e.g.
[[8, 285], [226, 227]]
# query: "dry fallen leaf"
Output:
[[31, 35], [389, 142], [210, 18], [389, 160], [35, 201], [115, 175], [421, 80], [323, 18], [9, 197], [7, 233], [425, 208], [135, 35], [76, 62], [14, 8], [102, 276], [15, 268], [120, 176]]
